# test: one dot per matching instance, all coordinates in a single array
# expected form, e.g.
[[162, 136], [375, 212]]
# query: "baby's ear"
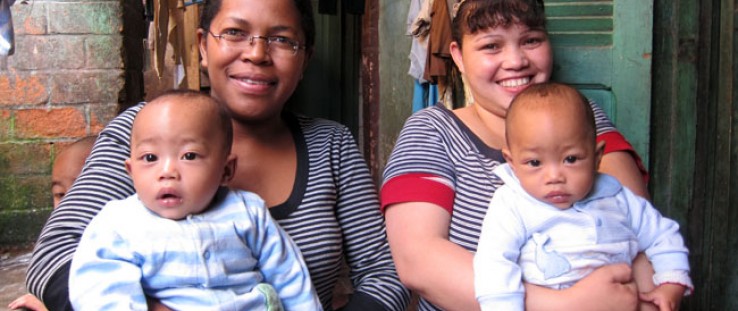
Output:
[[506, 154], [128, 166], [229, 171], [599, 152]]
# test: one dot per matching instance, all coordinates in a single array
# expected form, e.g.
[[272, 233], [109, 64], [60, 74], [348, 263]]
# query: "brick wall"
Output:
[[66, 80]]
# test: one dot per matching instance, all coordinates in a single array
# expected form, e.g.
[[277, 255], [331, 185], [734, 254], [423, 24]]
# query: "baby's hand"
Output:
[[29, 302], [666, 296]]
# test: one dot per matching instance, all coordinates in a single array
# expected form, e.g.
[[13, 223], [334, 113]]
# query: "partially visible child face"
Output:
[[552, 154], [67, 166], [178, 159]]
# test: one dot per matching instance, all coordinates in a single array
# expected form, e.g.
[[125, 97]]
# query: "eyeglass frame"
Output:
[[267, 39]]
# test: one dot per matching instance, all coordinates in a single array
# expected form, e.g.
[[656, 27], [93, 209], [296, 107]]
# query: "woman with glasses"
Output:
[[308, 171], [501, 47]]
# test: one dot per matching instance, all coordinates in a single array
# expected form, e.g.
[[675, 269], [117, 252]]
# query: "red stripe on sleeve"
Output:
[[417, 188]]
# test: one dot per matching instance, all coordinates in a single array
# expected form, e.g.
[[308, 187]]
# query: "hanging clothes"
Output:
[[424, 95], [418, 27], [418, 24], [438, 63]]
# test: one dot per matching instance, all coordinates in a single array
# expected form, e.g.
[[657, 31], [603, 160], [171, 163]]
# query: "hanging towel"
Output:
[[424, 95]]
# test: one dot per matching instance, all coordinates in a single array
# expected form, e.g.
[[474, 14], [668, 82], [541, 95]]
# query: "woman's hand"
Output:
[[608, 288], [427, 262], [28, 302]]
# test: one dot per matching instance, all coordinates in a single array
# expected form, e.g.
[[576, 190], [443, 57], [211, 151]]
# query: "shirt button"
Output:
[[599, 222], [206, 255]]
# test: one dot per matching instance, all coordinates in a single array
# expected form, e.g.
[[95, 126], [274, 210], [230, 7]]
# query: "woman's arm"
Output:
[[609, 288], [427, 262], [373, 274]]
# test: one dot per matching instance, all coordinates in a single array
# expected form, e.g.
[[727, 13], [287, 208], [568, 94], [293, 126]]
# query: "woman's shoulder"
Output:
[[315, 124], [435, 113], [436, 118], [313, 129], [121, 125], [129, 113], [437, 123]]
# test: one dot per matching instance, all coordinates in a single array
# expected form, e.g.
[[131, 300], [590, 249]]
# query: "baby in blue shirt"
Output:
[[556, 219], [184, 239]]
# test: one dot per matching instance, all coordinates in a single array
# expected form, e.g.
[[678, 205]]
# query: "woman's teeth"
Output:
[[515, 82]]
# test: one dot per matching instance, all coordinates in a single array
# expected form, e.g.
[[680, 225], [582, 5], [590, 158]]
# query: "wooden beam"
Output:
[[192, 53]]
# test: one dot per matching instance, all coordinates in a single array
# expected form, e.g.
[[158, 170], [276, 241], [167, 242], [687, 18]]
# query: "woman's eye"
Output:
[[532, 41], [279, 39], [189, 156], [492, 47], [232, 32], [149, 157]]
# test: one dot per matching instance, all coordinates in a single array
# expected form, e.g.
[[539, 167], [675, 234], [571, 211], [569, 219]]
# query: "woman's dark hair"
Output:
[[305, 7], [476, 15]]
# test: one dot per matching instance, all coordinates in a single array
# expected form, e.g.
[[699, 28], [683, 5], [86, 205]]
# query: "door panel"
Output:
[[329, 87], [604, 49]]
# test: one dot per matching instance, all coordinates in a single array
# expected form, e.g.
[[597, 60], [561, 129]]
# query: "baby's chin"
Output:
[[167, 209], [559, 201]]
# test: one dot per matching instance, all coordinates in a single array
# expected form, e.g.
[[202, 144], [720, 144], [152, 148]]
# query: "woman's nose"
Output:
[[515, 59], [257, 51]]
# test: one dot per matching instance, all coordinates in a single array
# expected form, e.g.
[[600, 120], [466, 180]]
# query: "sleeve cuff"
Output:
[[362, 302], [56, 295], [680, 277], [508, 302]]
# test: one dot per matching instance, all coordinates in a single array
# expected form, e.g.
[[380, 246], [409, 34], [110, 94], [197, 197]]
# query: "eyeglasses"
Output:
[[276, 45]]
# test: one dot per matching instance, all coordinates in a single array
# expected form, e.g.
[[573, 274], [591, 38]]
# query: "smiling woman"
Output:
[[308, 171], [439, 178]]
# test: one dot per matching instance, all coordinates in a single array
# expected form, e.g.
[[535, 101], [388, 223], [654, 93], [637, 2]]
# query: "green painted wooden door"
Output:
[[604, 49]]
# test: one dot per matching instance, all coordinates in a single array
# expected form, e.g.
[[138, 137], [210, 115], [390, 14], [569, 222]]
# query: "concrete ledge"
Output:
[[20, 228]]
